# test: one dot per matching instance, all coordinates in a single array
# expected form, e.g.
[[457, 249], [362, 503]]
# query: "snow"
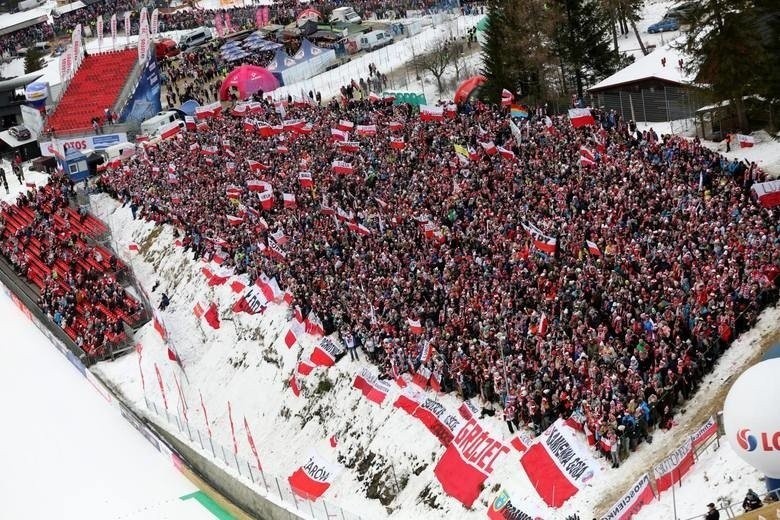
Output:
[[68, 453], [765, 153], [14, 187], [651, 66], [246, 362]]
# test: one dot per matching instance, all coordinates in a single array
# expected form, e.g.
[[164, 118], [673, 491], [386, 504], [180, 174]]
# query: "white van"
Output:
[[153, 124], [345, 14], [119, 151], [195, 38], [375, 40]]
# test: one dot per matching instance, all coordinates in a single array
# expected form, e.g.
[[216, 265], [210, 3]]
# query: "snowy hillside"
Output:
[[247, 363]]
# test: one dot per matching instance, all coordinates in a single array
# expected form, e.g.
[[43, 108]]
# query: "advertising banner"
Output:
[[90, 142], [145, 101]]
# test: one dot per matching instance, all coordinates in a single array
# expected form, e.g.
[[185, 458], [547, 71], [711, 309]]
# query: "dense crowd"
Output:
[[617, 336], [80, 293]]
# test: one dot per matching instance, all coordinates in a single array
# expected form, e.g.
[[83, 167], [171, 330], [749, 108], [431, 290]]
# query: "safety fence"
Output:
[[271, 487], [667, 473]]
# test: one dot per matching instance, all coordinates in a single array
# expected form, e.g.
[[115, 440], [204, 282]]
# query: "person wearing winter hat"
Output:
[[712, 513]]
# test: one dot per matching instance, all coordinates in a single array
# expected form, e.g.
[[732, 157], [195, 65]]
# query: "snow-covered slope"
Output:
[[382, 450]]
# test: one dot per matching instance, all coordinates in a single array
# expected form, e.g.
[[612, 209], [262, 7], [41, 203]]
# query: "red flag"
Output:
[[162, 386], [133, 247], [325, 353], [289, 200], [367, 130], [232, 429], [304, 368], [414, 326], [266, 200], [333, 441], [251, 442], [338, 135], [348, 146], [345, 126], [374, 389], [313, 325], [489, 147], [422, 376], [296, 390], [172, 355], [211, 315], [506, 153], [395, 126], [506, 98], [593, 248]]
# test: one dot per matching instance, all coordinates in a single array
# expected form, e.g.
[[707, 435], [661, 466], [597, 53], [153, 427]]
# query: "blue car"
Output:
[[667, 24]]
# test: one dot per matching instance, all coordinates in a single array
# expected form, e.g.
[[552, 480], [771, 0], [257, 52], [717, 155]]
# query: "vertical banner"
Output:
[[144, 21], [128, 27], [205, 415], [218, 24], [113, 31], [76, 44], [266, 15], [99, 25], [259, 18], [155, 23], [232, 428], [139, 349], [143, 43], [64, 65], [162, 386], [251, 442], [228, 26]]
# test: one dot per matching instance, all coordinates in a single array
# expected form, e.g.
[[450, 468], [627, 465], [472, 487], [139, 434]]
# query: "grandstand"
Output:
[[96, 86], [52, 245]]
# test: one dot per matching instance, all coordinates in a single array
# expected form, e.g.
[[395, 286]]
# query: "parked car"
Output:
[[19, 132], [667, 24], [195, 38]]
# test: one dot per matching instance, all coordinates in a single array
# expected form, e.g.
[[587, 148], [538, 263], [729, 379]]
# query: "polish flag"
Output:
[[374, 389], [436, 382], [374, 97], [159, 326], [345, 126], [342, 167], [194, 147], [395, 126], [210, 313], [133, 247], [233, 192], [279, 237], [422, 376], [333, 441], [189, 123], [266, 199], [581, 117], [325, 353], [348, 146], [291, 338], [173, 178], [397, 143], [289, 200], [218, 276], [431, 113], [304, 368], [249, 126], [256, 166], [506, 153], [593, 248], [521, 441], [746, 141], [313, 325], [258, 186], [548, 123], [415, 327], [586, 157], [233, 220], [265, 130], [314, 477], [489, 147], [544, 325], [305, 179], [275, 251], [208, 111], [337, 134], [291, 125], [451, 111], [546, 244], [209, 150], [367, 130], [548, 464], [239, 284]]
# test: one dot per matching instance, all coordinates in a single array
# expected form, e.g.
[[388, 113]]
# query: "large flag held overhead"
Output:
[[581, 117]]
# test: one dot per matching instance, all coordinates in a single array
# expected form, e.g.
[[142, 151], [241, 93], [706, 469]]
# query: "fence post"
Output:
[[311, 508], [213, 453], [251, 476], [238, 466], [200, 439], [644, 106], [189, 433]]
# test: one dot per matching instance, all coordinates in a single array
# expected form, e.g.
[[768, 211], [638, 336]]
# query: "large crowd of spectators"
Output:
[[80, 293], [618, 337]]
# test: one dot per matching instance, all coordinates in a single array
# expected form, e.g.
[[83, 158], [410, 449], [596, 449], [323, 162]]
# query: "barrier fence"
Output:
[[271, 487]]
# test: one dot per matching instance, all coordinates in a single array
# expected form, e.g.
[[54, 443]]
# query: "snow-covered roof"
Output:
[[651, 67]]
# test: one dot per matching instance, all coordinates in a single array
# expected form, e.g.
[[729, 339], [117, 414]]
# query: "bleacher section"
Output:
[[50, 273], [95, 87]]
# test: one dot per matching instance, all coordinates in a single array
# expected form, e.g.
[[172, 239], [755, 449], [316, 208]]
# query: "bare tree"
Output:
[[437, 61]]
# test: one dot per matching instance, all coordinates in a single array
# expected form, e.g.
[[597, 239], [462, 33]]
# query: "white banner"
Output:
[[90, 142]]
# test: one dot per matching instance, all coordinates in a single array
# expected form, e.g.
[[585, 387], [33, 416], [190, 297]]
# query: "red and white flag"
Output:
[[745, 141], [415, 327], [521, 441], [581, 117], [275, 251], [586, 157], [210, 313], [216, 276], [468, 461], [397, 143], [374, 97], [256, 166], [337, 135], [325, 353], [208, 111], [342, 167], [348, 146], [289, 200], [313, 325], [258, 186], [637, 496], [170, 130], [266, 200], [422, 376], [305, 180], [506, 98], [293, 333], [506, 153], [233, 220], [489, 147], [304, 368], [593, 248], [395, 126], [295, 386], [431, 113], [314, 477], [544, 325], [190, 125], [468, 409], [671, 470], [367, 130], [558, 464], [251, 442], [345, 126], [373, 388]]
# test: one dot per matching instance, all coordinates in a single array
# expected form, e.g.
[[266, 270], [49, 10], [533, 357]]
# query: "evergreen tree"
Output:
[[724, 52], [582, 42], [496, 68], [33, 60]]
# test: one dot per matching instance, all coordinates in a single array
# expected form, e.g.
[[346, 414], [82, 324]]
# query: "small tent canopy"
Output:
[[248, 79], [189, 106], [467, 87], [309, 14]]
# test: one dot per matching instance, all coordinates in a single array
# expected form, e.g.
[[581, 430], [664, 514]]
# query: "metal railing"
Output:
[[727, 507], [271, 487]]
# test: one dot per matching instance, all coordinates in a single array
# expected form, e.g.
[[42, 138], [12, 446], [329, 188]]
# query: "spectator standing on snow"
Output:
[[712, 513], [3, 179]]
